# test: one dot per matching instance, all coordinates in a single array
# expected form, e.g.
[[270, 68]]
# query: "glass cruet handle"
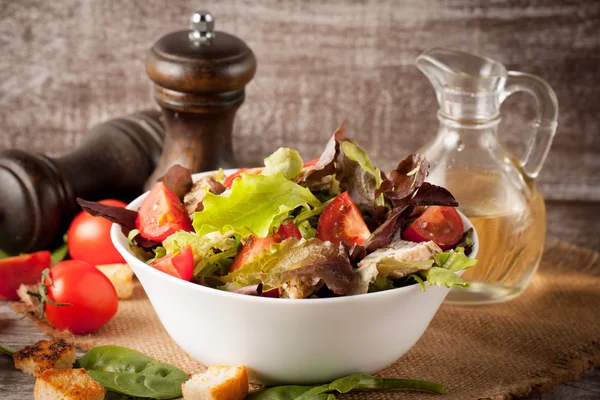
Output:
[[544, 126]]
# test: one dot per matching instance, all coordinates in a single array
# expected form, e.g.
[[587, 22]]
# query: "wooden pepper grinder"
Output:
[[199, 77], [37, 193]]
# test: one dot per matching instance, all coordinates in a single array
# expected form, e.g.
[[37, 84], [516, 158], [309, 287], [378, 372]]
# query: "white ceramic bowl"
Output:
[[284, 340]]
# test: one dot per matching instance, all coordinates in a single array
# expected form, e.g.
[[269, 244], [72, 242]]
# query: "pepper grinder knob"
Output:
[[202, 26], [199, 79]]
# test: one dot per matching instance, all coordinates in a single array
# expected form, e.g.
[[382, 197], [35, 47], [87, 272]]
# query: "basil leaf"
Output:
[[131, 373]]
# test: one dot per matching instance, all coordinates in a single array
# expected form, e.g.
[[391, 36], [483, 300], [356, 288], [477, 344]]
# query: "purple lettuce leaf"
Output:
[[433, 195], [252, 290], [406, 179], [178, 180]]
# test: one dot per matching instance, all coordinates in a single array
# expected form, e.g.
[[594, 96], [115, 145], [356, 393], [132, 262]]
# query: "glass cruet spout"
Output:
[[494, 188]]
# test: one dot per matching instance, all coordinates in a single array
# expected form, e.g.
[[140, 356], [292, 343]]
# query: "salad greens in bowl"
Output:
[[303, 272]]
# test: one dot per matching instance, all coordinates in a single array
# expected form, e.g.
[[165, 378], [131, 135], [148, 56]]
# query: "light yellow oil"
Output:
[[510, 219]]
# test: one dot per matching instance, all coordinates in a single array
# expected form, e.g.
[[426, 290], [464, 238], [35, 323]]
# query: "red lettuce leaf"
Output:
[[406, 179], [117, 215], [325, 166], [433, 195], [178, 180], [336, 273], [252, 290]]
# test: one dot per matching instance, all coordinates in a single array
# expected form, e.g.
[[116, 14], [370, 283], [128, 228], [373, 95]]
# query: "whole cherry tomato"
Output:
[[89, 300], [88, 238]]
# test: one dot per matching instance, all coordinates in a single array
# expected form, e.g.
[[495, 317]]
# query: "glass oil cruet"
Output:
[[495, 189]]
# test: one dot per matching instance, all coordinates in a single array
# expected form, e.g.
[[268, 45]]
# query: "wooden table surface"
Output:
[[576, 222]]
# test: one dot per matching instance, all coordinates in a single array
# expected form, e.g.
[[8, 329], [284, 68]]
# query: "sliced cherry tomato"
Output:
[[342, 222], [180, 265], [239, 173], [89, 240], [25, 269], [441, 224], [90, 298], [310, 163], [254, 246], [161, 215]]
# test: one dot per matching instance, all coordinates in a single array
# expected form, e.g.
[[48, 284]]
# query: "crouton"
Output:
[[67, 384], [217, 383], [120, 276], [300, 288], [44, 355]]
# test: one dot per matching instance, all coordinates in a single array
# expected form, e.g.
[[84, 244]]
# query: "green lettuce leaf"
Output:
[[286, 161], [296, 258], [307, 230], [443, 277], [359, 155], [201, 245], [454, 260], [256, 205], [381, 284]]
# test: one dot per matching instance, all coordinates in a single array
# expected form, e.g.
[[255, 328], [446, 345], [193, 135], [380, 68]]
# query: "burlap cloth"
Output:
[[547, 336]]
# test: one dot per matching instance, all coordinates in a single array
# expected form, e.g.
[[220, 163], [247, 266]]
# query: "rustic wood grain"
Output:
[[66, 65]]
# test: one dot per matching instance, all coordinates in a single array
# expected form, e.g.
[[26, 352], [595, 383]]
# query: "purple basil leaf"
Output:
[[252, 290], [433, 195], [178, 180], [118, 215], [408, 176]]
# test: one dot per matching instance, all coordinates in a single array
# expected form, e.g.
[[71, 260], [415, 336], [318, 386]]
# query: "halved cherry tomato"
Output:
[[88, 238], [254, 246], [310, 163], [161, 215], [91, 299], [180, 265], [239, 173], [25, 269], [342, 222], [441, 224]]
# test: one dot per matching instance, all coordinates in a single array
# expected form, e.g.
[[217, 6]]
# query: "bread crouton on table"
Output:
[[217, 383], [44, 355], [120, 275], [67, 384]]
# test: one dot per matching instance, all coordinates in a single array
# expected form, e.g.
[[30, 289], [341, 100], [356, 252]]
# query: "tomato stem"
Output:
[[42, 295]]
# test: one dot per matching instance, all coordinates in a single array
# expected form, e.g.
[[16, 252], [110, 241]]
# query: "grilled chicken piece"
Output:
[[193, 199], [45, 355], [300, 287], [402, 251]]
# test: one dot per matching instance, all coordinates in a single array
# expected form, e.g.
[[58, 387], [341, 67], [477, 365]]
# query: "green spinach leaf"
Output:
[[343, 385], [131, 373]]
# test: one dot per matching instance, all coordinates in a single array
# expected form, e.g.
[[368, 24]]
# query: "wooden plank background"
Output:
[[65, 65]]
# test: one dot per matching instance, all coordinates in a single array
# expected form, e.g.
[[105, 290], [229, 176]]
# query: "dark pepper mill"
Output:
[[37, 193], [199, 77]]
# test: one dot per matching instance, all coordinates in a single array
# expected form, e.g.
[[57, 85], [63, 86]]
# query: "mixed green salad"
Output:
[[334, 226]]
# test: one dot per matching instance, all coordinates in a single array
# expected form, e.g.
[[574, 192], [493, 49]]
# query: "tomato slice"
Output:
[[180, 265], [254, 246], [25, 269], [441, 224], [239, 173], [310, 163], [161, 215], [342, 222]]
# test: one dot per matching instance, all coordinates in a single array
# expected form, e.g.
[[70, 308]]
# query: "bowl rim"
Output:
[[120, 242]]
